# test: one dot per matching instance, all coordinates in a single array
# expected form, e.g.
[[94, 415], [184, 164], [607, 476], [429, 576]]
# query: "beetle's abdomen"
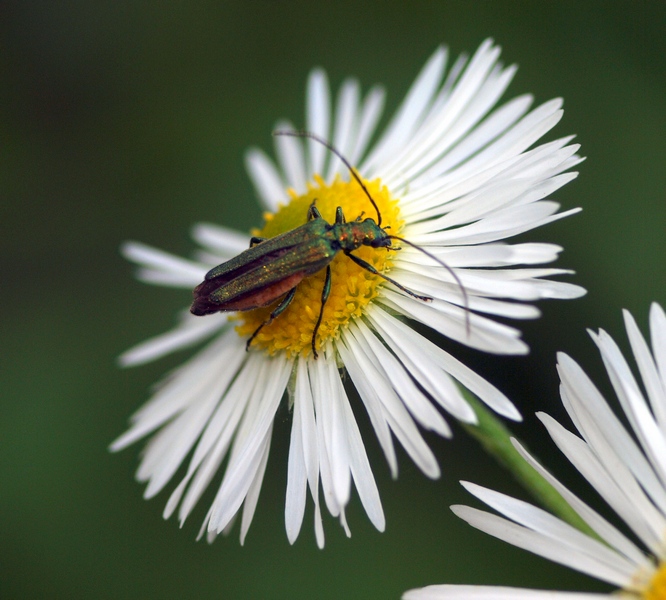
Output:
[[260, 282], [206, 304]]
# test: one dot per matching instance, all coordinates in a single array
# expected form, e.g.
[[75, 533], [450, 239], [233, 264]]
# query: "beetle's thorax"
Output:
[[351, 236]]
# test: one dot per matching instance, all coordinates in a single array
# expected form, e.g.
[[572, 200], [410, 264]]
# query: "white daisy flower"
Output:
[[628, 471], [450, 173]]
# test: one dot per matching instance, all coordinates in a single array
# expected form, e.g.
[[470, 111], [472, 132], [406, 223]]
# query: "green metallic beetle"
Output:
[[272, 268]]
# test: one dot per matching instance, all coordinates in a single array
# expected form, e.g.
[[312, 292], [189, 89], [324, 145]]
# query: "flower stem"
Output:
[[496, 440]]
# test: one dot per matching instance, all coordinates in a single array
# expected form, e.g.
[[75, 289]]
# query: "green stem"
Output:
[[495, 439]]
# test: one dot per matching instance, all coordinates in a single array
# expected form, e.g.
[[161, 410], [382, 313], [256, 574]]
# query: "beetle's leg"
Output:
[[286, 301], [313, 212], [368, 267], [324, 297], [339, 216], [256, 240]]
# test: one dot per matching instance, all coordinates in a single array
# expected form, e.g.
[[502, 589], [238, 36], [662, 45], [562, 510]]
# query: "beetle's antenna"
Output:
[[453, 274], [334, 150]]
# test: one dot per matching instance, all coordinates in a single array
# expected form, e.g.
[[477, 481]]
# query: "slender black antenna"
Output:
[[334, 150], [453, 274]]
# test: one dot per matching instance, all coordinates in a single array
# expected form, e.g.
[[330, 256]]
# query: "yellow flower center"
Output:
[[656, 588], [352, 287]]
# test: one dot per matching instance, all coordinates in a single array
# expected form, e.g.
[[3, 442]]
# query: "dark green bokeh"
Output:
[[127, 120]]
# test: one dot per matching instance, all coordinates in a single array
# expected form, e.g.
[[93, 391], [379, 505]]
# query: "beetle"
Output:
[[272, 268]]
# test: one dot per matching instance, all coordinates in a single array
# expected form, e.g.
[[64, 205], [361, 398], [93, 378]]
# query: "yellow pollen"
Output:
[[352, 287], [656, 588]]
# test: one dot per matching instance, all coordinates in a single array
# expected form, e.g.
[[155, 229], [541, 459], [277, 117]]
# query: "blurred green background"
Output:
[[129, 120]]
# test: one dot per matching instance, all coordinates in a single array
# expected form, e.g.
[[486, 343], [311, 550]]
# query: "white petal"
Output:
[[372, 405], [289, 151], [268, 184], [297, 480], [409, 114], [428, 359], [452, 116], [167, 449], [304, 417], [608, 484], [318, 116], [539, 544], [603, 430], [520, 137], [457, 68], [488, 255], [320, 391], [188, 332], [333, 397], [498, 122], [432, 194], [401, 423], [394, 371], [477, 592], [252, 496], [658, 333], [607, 532], [499, 225], [420, 360], [487, 201], [368, 118], [645, 428], [162, 268], [223, 240], [421, 275], [648, 369], [456, 323], [453, 293], [246, 459], [179, 390], [345, 126], [310, 445], [361, 471], [219, 432], [198, 477], [559, 532]]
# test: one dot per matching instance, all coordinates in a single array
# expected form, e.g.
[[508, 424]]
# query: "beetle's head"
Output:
[[384, 242], [375, 236]]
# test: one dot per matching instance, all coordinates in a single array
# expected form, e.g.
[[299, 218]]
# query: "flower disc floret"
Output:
[[656, 589]]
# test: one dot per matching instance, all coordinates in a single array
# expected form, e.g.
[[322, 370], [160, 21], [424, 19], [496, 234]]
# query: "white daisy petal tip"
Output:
[[130, 248], [460, 176], [455, 508], [222, 241], [658, 314], [509, 411], [473, 488], [268, 183], [317, 78]]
